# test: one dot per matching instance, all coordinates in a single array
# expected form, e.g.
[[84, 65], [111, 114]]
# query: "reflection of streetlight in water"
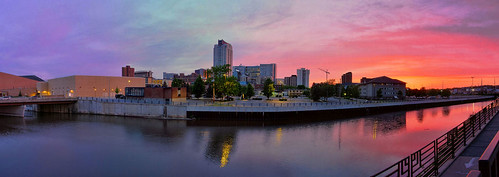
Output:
[[278, 135], [375, 127], [227, 146]]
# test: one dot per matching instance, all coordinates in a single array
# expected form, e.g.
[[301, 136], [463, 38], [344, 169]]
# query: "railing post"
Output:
[[473, 126], [435, 148], [464, 133], [452, 144]]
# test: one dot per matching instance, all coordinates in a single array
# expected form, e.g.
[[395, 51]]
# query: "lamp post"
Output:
[[471, 90], [213, 88]]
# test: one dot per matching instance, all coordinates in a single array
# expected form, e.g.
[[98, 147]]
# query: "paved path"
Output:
[[468, 160]]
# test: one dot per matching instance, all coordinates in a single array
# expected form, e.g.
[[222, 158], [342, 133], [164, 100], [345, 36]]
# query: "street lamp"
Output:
[[213, 88]]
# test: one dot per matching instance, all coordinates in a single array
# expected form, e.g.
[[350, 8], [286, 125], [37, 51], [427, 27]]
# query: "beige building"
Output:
[[11, 85], [88, 86], [388, 87]]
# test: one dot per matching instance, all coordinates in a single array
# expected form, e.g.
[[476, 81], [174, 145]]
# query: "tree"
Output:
[[306, 93], [446, 93], [250, 91], [223, 85], [177, 82], [242, 91], [209, 90], [400, 94], [230, 87], [117, 90], [316, 91], [20, 94], [433, 92], [268, 88], [301, 87], [198, 88], [164, 85], [379, 93]]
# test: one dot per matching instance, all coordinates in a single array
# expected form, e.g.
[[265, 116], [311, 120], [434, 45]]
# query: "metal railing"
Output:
[[428, 160]]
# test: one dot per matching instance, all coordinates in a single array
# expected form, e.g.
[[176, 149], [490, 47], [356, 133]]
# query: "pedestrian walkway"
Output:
[[468, 160]]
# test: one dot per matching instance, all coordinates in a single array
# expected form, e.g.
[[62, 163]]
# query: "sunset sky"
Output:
[[424, 43]]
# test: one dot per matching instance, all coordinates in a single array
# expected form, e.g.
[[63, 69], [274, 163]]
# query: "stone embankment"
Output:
[[157, 108]]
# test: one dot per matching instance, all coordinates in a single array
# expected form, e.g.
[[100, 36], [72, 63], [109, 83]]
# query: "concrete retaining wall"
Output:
[[16, 111], [313, 112], [119, 109]]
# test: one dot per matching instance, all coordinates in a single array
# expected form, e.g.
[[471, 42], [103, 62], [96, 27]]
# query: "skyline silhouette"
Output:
[[430, 44]]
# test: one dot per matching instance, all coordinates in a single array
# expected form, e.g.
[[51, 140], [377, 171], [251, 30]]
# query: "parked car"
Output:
[[5, 98], [120, 96]]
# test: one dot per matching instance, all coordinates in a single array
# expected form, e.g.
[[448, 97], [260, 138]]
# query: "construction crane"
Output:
[[326, 71]]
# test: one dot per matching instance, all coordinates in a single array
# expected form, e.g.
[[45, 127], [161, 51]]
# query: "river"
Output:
[[94, 145]]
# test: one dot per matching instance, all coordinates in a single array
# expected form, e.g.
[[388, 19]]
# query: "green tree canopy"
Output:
[[177, 82], [250, 91], [379, 93], [198, 88], [117, 90], [224, 85], [301, 87], [446, 93], [268, 88]]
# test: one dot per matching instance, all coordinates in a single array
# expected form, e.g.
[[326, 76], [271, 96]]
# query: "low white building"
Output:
[[389, 87]]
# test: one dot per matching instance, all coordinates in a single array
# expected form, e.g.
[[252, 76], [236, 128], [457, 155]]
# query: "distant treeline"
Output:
[[424, 93]]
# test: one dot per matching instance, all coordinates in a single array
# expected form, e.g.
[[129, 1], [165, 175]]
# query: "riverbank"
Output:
[[253, 112], [312, 112]]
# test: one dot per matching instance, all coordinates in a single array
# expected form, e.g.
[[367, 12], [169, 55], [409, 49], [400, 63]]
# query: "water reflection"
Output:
[[445, 111], [181, 148], [220, 145], [10, 125], [421, 115], [385, 124]]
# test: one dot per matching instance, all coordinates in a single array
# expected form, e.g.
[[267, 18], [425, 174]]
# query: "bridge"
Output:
[[16, 106]]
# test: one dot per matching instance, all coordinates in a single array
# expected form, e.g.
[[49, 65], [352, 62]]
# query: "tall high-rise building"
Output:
[[168, 76], [222, 54], [255, 74], [302, 76], [145, 74], [127, 71], [290, 81], [346, 79], [268, 71], [202, 72]]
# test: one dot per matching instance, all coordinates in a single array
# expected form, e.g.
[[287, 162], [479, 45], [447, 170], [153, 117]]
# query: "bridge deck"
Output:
[[27, 101]]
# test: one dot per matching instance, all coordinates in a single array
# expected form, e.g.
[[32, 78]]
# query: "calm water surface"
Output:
[[89, 145]]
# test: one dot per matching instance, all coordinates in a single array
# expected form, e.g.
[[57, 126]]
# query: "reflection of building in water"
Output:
[[385, 123], [445, 111], [220, 145], [420, 115], [11, 124], [174, 129]]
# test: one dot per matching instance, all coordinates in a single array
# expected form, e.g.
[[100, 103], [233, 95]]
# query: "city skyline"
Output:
[[424, 43]]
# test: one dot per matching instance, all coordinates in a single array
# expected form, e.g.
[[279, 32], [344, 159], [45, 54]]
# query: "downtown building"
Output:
[[302, 75], [222, 54], [291, 81], [346, 79], [255, 75], [388, 87]]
